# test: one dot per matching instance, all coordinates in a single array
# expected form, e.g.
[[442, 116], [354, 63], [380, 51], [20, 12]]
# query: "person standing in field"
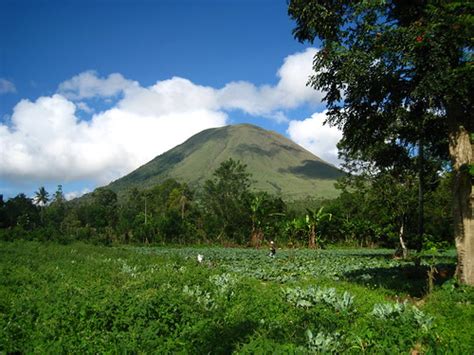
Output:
[[272, 249]]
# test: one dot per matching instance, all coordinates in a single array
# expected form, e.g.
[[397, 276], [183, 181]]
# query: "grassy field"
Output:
[[84, 298]]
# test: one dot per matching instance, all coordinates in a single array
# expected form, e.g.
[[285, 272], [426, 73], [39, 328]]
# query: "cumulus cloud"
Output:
[[291, 90], [169, 96], [6, 86], [75, 194], [88, 84], [316, 137], [47, 139], [84, 107], [180, 94]]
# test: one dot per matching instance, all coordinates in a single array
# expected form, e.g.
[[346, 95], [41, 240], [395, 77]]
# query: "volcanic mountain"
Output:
[[278, 165]]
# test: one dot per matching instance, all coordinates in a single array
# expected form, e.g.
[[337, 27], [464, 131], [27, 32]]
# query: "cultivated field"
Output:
[[84, 298]]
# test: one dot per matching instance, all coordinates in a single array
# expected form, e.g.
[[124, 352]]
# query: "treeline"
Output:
[[226, 210]]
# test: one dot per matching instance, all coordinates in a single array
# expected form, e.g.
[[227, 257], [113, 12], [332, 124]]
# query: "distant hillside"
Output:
[[277, 164]]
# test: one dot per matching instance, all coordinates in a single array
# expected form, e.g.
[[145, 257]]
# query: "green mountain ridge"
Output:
[[278, 165]]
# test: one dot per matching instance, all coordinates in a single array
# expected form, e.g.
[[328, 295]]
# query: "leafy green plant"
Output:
[[323, 343], [85, 298], [394, 311], [311, 296]]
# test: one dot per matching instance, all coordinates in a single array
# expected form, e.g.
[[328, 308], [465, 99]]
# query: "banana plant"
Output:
[[256, 206], [313, 219], [294, 229]]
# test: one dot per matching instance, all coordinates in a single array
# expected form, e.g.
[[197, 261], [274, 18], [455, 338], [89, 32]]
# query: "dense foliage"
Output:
[[368, 212], [396, 74], [93, 299], [372, 211], [398, 80]]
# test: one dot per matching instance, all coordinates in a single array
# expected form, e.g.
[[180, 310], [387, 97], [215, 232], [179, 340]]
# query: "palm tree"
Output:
[[41, 199]]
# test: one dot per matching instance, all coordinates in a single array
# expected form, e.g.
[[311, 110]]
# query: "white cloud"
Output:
[[48, 140], [169, 96], [6, 86], [291, 90], [318, 138], [84, 107], [294, 75], [75, 194], [87, 85], [180, 94]]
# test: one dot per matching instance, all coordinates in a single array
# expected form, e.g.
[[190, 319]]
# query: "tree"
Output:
[[56, 211], [41, 196], [103, 211], [41, 199], [256, 207], [398, 78], [226, 199], [20, 211], [179, 199], [3, 213], [439, 224], [390, 203], [312, 219], [295, 229], [59, 195], [266, 212]]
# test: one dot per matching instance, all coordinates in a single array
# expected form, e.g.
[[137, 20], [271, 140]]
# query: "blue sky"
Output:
[[91, 90]]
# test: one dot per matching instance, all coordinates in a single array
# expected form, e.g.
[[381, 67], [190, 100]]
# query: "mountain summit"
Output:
[[278, 165]]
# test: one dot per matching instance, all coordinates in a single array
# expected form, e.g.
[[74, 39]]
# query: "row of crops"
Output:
[[82, 298]]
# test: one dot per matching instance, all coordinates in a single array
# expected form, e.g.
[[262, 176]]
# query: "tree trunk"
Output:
[[421, 194], [402, 243], [183, 206], [312, 237], [461, 151], [42, 215], [145, 210], [256, 238]]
